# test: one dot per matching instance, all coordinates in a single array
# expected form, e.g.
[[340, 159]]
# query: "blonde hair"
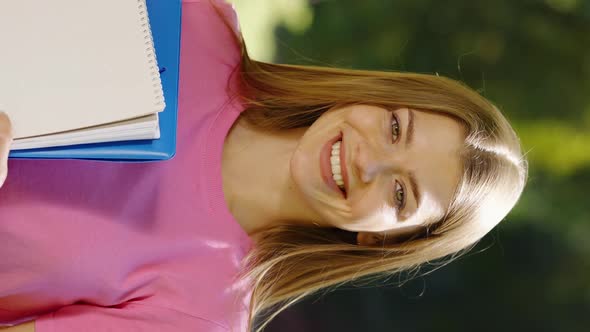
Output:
[[290, 262]]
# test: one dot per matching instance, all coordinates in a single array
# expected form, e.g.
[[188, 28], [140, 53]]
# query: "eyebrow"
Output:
[[415, 188], [410, 132], [409, 140]]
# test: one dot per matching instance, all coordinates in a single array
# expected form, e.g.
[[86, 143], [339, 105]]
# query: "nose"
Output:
[[371, 161]]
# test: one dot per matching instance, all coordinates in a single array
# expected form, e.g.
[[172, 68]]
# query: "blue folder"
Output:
[[165, 21]]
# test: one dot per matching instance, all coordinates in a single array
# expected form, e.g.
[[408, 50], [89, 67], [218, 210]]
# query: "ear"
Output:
[[368, 238], [390, 236]]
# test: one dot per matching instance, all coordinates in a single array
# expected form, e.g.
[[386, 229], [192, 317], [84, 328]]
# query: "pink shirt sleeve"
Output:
[[102, 246], [130, 317]]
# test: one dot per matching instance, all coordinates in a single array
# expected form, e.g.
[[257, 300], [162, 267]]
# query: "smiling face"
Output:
[[400, 167]]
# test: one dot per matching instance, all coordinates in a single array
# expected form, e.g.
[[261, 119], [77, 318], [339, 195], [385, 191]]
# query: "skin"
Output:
[[283, 183], [5, 142]]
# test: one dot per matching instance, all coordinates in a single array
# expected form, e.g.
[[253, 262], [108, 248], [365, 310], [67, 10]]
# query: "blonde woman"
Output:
[[287, 180]]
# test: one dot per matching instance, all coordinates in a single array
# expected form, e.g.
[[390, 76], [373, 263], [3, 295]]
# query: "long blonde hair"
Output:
[[290, 262]]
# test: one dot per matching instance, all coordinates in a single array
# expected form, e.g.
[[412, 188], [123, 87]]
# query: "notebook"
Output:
[[86, 79]]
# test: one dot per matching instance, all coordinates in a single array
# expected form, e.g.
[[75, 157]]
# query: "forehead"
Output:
[[434, 159], [438, 141]]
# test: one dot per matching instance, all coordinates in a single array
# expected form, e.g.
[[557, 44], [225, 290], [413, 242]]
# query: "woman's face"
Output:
[[400, 168]]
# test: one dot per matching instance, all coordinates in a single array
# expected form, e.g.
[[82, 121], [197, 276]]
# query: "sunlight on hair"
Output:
[[496, 206], [429, 211]]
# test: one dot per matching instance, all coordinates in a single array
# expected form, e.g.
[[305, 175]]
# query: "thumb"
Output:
[[5, 142]]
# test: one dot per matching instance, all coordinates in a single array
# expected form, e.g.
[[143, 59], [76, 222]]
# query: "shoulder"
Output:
[[207, 35], [208, 8], [222, 4]]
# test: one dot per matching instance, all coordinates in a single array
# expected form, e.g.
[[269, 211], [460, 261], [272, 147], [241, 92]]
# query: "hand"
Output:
[[5, 142]]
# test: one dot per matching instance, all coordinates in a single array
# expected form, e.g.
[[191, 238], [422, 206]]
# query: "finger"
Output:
[[5, 142], [5, 126], [4, 150]]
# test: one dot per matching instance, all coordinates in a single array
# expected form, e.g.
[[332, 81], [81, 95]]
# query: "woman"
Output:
[[425, 168]]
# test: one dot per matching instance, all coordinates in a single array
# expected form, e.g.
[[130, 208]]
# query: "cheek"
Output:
[[372, 215], [429, 211]]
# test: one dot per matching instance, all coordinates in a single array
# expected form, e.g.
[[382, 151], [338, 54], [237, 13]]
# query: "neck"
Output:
[[257, 182]]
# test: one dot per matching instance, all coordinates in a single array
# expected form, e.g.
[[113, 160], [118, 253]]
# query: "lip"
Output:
[[326, 166], [343, 165]]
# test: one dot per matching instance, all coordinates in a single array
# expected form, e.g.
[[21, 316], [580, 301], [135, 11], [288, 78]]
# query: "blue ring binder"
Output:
[[165, 21]]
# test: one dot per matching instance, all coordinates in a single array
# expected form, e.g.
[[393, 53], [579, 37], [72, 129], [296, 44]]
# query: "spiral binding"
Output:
[[150, 51]]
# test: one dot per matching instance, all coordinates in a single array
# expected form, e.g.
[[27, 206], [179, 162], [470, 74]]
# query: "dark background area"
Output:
[[532, 59]]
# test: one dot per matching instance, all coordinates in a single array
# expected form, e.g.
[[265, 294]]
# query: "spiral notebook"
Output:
[[74, 73]]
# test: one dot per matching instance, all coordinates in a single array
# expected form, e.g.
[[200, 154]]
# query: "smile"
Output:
[[327, 168]]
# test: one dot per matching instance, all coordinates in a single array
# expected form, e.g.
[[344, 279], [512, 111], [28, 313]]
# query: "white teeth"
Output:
[[336, 169]]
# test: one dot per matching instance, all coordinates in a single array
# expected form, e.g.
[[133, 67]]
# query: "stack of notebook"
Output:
[[87, 79]]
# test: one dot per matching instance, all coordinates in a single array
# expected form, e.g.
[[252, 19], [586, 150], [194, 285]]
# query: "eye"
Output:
[[394, 127], [400, 195]]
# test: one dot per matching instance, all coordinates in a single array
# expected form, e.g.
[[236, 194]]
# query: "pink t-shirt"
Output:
[[103, 246]]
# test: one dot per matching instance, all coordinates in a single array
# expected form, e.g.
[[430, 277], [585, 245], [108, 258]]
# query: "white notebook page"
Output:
[[70, 64]]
